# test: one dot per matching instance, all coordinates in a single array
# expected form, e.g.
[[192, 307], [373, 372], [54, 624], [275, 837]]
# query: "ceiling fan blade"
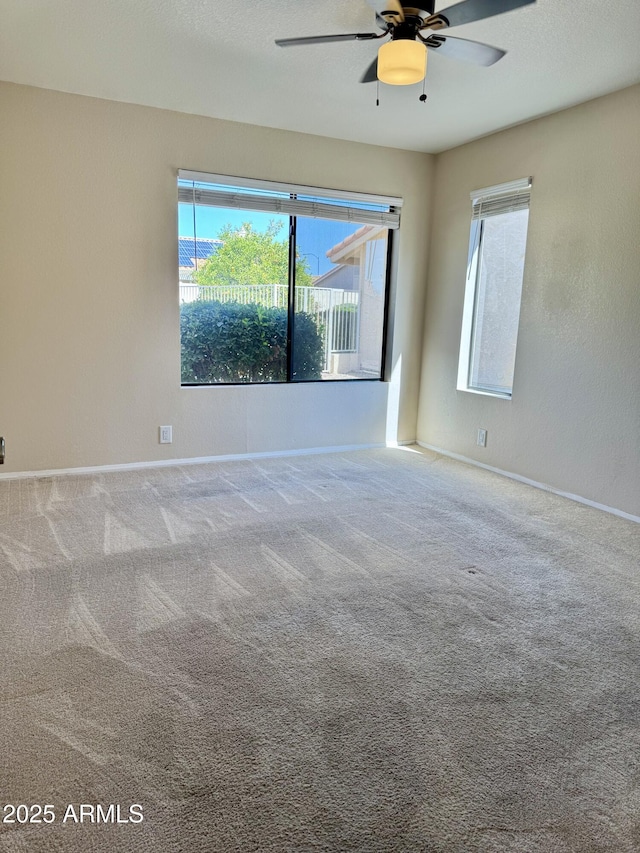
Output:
[[474, 10], [467, 51], [388, 9], [371, 74], [326, 39]]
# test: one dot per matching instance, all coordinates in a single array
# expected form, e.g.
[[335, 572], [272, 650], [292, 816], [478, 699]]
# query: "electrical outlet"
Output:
[[481, 440], [166, 434]]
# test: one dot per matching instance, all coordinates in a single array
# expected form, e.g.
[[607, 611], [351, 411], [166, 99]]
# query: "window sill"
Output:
[[484, 393]]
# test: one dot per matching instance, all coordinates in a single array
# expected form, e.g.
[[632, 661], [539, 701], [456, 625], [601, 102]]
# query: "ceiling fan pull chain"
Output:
[[377, 93]]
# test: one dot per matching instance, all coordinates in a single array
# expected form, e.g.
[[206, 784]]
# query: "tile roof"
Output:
[[341, 251]]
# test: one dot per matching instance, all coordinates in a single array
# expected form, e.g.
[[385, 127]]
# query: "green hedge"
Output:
[[231, 342]]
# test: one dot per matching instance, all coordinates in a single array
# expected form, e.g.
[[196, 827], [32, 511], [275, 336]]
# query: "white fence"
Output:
[[269, 295], [336, 312]]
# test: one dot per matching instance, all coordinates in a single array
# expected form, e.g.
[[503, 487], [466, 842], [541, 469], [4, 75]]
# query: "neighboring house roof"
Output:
[[346, 252], [340, 277], [190, 249]]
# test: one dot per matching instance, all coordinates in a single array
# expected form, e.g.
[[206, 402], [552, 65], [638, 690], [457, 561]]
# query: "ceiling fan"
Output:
[[402, 60]]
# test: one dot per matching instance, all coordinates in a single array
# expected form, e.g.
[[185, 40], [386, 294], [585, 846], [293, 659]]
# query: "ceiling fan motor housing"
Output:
[[415, 19], [393, 15], [407, 29], [425, 10]]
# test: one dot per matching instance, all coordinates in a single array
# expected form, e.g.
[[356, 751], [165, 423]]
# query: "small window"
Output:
[[280, 283], [495, 270]]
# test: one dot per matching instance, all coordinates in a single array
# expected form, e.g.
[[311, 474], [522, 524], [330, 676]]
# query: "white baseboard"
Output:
[[193, 460], [400, 443], [529, 482]]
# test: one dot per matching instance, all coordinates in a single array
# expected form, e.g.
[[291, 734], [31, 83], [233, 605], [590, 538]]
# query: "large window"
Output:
[[495, 270], [281, 283]]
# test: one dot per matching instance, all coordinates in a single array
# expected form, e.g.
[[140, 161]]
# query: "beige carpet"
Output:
[[373, 651]]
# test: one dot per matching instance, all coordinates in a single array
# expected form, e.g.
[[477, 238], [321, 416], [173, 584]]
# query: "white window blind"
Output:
[[289, 199], [501, 198]]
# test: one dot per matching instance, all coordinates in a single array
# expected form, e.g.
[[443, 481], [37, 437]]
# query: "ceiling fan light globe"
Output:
[[402, 62]]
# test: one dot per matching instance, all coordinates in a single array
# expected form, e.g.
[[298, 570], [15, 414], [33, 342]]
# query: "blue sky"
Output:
[[211, 220], [315, 236]]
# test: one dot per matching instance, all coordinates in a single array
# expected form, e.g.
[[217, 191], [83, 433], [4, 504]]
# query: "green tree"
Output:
[[251, 257]]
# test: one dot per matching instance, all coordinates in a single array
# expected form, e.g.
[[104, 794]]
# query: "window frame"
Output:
[[294, 191], [491, 201]]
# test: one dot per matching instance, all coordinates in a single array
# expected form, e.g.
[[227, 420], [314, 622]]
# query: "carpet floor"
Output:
[[373, 651]]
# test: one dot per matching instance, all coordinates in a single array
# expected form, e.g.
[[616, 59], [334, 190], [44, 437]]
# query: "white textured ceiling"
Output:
[[218, 59]]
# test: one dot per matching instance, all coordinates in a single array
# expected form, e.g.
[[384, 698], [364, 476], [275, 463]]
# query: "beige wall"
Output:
[[574, 420], [89, 324], [89, 346]]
